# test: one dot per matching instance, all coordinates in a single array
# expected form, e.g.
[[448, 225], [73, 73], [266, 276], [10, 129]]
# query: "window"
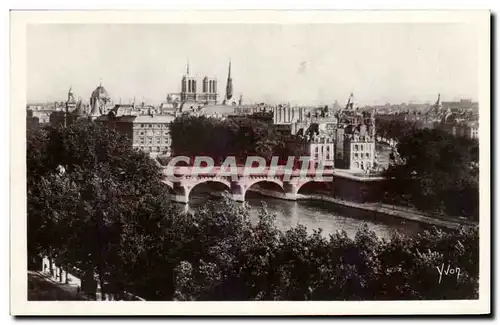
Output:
[[141, 133], [150, 141], [367, 155], [356, 147], [157, 139], [142, 125], [361, 147], [356, 155], [150, 126]]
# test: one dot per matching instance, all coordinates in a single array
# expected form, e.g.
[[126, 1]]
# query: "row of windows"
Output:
[[151, 137], [327, 157], [153, 125], [149, 140], [361, 155], [327, 149], [360, 165], [155, 149], [157, 133], [360, 147]]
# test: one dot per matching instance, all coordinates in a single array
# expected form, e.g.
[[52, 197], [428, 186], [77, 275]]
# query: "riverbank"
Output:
[[374, 210]]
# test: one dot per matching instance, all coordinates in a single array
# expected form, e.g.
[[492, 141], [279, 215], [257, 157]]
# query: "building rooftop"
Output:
[[154, 118], [139, 118], [217, 110]]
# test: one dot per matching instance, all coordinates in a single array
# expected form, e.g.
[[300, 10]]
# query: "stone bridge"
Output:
[[182, 180]]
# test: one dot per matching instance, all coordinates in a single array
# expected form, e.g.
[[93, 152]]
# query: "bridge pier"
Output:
[[290, 191], [180, 199], [238, 197], [237, 192], [181, 194]]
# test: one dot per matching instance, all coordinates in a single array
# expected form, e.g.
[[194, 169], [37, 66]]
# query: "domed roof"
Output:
[[100, 92]]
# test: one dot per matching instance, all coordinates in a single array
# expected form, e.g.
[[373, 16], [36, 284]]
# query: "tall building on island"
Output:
[[344, 139], [355, 138]]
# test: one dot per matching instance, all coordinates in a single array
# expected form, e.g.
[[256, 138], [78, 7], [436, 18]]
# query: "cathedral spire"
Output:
[[70, 93], [229, 86], [187, 68]]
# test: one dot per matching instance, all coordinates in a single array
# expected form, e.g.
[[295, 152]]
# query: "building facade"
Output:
[[321, 151], [463, 129], [344, 139], [38, 116], [360, 152], [148, 133]]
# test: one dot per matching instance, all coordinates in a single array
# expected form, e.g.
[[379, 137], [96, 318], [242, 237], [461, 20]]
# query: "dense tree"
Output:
[[439, 172], [193, 136], [77, 216], [228, 258], [395, 128]]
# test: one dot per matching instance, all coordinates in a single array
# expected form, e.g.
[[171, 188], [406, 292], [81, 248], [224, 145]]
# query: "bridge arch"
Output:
[[254, 181], [300, 185], [249, 184], [190, 186]]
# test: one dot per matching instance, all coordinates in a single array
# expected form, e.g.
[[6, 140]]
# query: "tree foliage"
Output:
[[77, 217], [229, 258], [439, 173], [395, 128], [109, 215], [195, 136]]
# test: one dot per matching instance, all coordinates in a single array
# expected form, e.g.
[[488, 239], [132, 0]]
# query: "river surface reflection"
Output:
[[314, 215]]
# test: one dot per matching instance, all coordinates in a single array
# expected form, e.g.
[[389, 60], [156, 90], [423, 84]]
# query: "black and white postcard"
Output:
[[250, 162]]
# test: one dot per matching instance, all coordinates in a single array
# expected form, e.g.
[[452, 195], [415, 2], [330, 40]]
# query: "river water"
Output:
[[312, 214], [325, 215]]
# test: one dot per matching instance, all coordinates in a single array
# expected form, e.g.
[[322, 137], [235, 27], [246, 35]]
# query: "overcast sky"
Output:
[[306, 64]]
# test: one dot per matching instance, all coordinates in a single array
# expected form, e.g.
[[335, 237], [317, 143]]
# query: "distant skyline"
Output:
[[297, 63]]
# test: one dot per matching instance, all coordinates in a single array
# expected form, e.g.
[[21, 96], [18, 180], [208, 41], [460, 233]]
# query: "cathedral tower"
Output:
[[188, 86]]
